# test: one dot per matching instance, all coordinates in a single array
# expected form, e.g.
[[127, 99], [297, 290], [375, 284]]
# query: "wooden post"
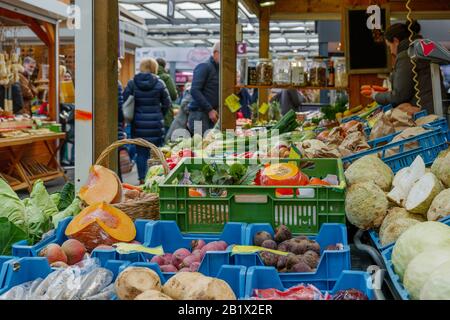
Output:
[[106, 39], [53, 70], [264, 48], [228, 17]]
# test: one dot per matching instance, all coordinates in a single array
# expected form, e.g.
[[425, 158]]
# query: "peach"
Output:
[[53, 253], [74, 251]]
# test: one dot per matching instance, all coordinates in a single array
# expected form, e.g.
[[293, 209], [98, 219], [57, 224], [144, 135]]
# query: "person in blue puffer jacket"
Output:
[[151, 103]]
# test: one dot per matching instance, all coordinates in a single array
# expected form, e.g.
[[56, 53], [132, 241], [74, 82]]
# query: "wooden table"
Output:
[[25, 160]]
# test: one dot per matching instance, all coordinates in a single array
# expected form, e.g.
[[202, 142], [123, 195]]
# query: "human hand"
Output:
[[213, 116]]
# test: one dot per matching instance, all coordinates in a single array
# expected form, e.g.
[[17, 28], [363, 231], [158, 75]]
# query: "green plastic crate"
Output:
[[303, 213]]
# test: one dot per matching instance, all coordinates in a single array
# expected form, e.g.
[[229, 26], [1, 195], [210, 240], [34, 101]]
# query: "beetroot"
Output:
[[269, 259], [189, 260], [195, 266], [179, 255], [198, 244], [285, 246], [298, 246], [311, 259], [301, 267], [314, 246], [281, 264], [292, 260], [159, 260], [282, 233], [260, 237], [167, 258], [269, 244], [169, 268]]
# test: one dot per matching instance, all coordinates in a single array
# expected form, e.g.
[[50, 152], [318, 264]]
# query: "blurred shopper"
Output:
[[151, 103], [181, 119], [29, 91], [203, 110]]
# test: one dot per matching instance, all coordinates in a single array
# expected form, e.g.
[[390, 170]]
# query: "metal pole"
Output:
[[84, 95]]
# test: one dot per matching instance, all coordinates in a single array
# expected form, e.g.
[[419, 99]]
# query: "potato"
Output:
[[134, 281], [195, 286], [153, 295]]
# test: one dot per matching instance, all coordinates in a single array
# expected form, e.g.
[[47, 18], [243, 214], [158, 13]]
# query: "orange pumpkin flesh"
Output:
[[103, 186], [101, 224]]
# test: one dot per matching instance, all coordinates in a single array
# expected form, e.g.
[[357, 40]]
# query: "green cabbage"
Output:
[[437, 286], [39, 209], [420, 237], [421, 267], [71, 211], [9, 234], [11, 206]]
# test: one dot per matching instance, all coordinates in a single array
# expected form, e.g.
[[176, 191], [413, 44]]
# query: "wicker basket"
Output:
[[148, 206]]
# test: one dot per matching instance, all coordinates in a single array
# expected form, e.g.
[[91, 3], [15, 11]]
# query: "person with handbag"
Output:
[[146, 103]]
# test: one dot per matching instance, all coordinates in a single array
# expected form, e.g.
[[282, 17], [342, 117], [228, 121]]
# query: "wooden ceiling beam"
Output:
[[332, 9], [252, 6]]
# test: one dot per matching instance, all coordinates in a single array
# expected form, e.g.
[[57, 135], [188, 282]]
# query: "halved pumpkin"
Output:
[[101, 224], [283, 174], [103, 185]]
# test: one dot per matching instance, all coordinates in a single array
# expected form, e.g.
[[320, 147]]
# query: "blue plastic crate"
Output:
[[401, 292], [431, 143], [268, 278], [234, 275], [22, 270], [168, 235], [3, 268], [23, 249], [331, 263], [377, 242]]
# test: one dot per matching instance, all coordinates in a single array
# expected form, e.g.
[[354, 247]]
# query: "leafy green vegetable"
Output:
[[67, 196], [197, 177], [71, 211], [250, 175], [39, 210], [237, 171], [11, 206], [9, 234], [208, 172], [56, 198]]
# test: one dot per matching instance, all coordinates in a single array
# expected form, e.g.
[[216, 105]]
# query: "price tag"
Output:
[[232, 102], [264, 108]]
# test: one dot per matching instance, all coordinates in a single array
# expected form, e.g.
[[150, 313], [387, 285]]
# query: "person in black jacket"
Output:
[[203, 110], [151, 103], [16, 97], [403, 91]]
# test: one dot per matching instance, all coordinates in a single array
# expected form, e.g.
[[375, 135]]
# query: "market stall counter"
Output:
[[30, 157]]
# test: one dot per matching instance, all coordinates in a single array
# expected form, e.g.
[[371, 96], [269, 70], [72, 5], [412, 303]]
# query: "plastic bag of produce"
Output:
[[382, 128], [301, 292]]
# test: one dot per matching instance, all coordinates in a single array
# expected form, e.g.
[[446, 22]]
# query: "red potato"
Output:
[[159, 260], [223, 245], [189, 260], [179, 255], [167, 258], [194, 266], [168, 268], [198, 244]]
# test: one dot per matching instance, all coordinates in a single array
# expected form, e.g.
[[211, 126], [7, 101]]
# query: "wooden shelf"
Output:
[[290, 87]]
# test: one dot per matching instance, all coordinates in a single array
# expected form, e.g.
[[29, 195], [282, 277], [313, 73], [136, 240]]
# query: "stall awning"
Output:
[[43, 10]]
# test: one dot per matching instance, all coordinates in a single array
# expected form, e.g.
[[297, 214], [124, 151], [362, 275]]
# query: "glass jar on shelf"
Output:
[[264, 70], [318, 73], [282, 71], [299, 72], [341, 75]]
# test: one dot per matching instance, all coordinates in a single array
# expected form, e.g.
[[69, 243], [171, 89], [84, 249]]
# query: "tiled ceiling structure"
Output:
[[197, 23]]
